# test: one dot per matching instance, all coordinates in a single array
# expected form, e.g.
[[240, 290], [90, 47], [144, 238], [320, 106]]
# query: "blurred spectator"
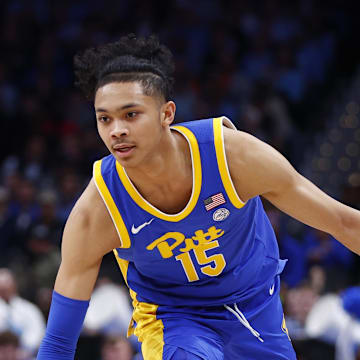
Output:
[[276, 121], [286, 25], [107, 316], [295, 270], [69, 191], [326, 318], [19, 315], [290, 248], [348, 341], [316, 50], [24, 209], [35, 158], [9, 347], [117, 348], [324, 250], [6, 225], [298, 303], [45, 232], [317, 279], [258, 61], [336, 319], [43, 299], [289, 79], [185, 96]]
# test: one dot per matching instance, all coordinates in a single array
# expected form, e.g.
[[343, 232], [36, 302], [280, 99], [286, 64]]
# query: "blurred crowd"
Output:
[[267, 65]]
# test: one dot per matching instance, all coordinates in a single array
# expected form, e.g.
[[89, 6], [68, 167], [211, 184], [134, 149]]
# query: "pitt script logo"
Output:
[[201, 242]]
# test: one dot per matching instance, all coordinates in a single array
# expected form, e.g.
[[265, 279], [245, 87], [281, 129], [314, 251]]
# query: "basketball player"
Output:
[[179, 206]]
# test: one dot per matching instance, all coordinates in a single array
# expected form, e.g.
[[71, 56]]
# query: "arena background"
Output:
[[285, 71]]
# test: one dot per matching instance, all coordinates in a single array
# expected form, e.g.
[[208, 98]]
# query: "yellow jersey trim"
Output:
[[111, 206], [197, 179], [123, 265], [284, 327], [149, 330], [221, 160]]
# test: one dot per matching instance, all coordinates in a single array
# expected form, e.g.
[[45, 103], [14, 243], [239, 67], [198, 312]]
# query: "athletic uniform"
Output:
[[205, 281]]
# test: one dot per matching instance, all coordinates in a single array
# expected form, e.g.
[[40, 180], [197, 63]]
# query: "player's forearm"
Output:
[[348, 230], [63, 329], [305, 202]]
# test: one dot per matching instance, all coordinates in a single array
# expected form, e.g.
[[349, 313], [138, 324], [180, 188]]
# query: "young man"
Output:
[[180, 208]]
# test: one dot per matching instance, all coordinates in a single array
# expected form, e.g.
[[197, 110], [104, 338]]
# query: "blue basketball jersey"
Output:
[[217, 250]]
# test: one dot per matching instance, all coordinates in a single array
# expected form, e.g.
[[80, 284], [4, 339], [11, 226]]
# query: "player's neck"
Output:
[[169, 165]]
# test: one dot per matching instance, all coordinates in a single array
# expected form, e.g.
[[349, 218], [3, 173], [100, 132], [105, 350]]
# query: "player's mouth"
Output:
[[123, 150]]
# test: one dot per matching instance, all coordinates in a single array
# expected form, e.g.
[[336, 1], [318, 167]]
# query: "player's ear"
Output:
[[167, 113]]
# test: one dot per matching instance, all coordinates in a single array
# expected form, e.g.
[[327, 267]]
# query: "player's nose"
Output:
[[119, 128]]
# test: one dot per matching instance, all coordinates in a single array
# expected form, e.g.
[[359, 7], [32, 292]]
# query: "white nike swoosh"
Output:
[[135, 230], [271, 290]]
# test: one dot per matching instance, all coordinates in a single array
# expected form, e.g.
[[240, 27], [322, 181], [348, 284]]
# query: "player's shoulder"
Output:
[[85, 210], [248, 159], [90, 218], [244, 146], [90, 207], [89, 201], [239, 145], [239, 137]]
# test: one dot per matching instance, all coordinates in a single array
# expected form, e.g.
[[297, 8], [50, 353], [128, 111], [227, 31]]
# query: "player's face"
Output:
[[130, 123]]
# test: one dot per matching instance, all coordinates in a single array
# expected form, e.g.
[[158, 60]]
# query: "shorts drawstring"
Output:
[[240, 316]]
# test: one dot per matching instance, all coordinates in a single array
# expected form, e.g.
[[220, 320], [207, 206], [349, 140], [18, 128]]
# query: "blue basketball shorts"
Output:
[[252, 330]]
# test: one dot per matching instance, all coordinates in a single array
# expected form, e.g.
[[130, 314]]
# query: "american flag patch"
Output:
[[214, 201]]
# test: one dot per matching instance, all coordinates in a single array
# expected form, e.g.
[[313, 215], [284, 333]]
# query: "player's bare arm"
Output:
[[258, 169], [88, 235]]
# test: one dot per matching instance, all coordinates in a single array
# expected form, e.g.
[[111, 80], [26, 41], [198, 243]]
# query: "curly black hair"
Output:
[[126, 60]]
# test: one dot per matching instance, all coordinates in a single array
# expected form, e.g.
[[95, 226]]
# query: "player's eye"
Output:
[[131, 114], [103, 119]]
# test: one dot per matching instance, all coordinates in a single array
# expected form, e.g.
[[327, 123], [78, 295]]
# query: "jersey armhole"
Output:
[[115, 215], [218, 124]]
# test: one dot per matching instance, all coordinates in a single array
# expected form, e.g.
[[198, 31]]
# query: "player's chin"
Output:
[[127, 160]]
